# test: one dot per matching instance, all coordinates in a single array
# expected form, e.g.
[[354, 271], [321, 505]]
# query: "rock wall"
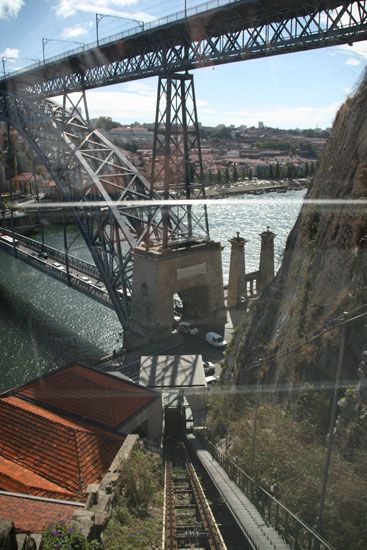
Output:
[[7, 536], [323, 271]]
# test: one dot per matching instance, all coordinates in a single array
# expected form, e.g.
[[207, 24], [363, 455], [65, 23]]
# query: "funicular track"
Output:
[[188, 519]]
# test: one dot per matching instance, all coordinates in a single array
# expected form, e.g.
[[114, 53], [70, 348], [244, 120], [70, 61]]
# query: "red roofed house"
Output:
[[61, 432]]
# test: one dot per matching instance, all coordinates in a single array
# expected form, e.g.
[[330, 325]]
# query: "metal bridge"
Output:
[[213, 33], [94, 176]]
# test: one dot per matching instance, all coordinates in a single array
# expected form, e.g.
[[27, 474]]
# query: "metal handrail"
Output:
[[55, 254], [295, 532], [150, 25], [181, 15]]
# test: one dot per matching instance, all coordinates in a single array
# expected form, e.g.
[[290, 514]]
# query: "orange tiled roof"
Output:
[[32, 516], [16, 478], [66, 453], [89, 394]]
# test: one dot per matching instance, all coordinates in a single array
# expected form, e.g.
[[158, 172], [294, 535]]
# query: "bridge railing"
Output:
[[251, 284], [55, 254], [297, 534], [150, 25], [72, 281]]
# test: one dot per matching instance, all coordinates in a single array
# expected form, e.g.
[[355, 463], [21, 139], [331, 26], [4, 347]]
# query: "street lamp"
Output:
[[47, 40], [5, 58], [100, 16]]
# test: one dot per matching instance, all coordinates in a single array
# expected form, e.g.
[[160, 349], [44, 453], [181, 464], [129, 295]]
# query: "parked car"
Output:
[[176, 320], [209, 368], [215, 339], [211, 381], [187, 328]]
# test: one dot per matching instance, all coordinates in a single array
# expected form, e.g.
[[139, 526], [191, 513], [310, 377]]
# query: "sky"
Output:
[[298, 90]]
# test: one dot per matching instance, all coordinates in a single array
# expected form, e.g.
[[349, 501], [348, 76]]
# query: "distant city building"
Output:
[[261, 125], [138, 135], [233, 153]]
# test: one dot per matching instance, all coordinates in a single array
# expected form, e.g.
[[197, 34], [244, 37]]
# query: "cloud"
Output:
[[285, 117], [352, 61], [10, 8], [10, 52], [73, 32], [66, 8], [136, 102], [359, 49]]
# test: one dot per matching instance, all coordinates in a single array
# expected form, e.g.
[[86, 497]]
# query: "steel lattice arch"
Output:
[[89, 169]]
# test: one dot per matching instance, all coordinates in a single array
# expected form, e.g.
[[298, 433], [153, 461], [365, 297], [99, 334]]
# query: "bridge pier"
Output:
[[193, 272], [266, 267], [236, 281]]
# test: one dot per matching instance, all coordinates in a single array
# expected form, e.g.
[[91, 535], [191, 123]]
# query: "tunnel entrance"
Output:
[[195, 303]]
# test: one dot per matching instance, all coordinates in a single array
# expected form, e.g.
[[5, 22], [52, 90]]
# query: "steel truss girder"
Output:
[[177, 168], [87, 167], [222, 42]]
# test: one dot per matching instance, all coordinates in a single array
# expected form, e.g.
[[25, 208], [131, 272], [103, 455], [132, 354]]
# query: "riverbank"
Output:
[[257, 187]]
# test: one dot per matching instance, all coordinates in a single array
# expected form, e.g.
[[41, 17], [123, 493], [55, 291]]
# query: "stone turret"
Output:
[[266, 268], [236, 281]]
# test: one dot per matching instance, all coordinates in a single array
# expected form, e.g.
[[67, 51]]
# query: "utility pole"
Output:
[[325, 475], [47, 40], [100, 16]]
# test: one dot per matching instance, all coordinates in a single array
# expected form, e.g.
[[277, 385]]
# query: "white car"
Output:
[[215, 339], [209, 368], [210, 381], [187, 328], [59, 266]]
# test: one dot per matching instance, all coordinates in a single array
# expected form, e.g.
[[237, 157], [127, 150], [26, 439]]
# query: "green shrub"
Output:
[[136, 523], [66, 537]]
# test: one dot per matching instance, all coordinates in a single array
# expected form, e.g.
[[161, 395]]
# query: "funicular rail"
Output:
[[188, 519]]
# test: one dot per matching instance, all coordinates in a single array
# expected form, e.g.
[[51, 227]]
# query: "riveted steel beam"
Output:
[[243, 30]]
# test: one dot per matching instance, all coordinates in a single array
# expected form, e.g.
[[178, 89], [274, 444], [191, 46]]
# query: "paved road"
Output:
[[180, 344]]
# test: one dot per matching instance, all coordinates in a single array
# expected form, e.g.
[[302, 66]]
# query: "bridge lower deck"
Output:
[[258, 533]]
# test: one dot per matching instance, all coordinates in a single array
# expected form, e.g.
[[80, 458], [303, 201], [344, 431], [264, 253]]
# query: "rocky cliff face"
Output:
[[324, 267]]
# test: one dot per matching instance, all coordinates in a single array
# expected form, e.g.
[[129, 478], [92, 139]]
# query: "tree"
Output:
[[277, 171], [105, 123], [290, 173], [234, 174], [219, 177], [227, 177], [271, 171]]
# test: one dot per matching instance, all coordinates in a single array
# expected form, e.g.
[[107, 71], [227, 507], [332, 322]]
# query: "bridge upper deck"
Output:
[[176, 43]]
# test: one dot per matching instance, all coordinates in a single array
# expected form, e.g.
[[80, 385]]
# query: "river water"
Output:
[[44, 324]]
